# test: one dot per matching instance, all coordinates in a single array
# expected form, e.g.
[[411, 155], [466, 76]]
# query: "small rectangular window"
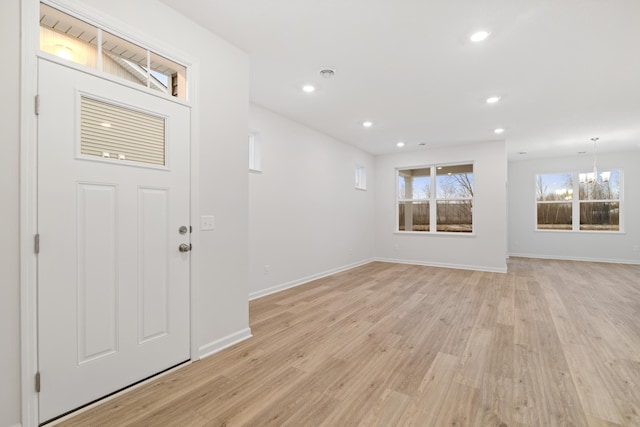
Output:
[[114, 132], [125, 60], [360, 177], [255, 152], [67, 37]]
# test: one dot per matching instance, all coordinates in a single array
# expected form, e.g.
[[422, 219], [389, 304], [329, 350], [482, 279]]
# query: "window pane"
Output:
[[413, 216], [255, 155], [414, 183], [607, 187], [600, 216], [67, 37], [124, 59], [454, 182], [168, 77], [554, 187], [113, 132], [455, 216], [361, 178], [554, 216]]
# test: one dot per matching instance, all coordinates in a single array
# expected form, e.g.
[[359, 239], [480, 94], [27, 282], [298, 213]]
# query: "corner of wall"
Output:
[[223, 343], [303, 280]]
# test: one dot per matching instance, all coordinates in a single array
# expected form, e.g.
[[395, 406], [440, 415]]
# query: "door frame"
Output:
[[29, 56]]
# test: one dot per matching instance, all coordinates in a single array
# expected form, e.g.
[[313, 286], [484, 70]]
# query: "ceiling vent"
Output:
[[327, 73]]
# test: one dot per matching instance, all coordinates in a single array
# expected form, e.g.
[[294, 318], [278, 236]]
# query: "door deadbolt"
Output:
[[183, 229]]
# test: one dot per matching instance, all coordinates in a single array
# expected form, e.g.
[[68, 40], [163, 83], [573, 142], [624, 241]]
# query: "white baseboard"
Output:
[[302, 281], [446, 265], [573, 258], [224, 342]]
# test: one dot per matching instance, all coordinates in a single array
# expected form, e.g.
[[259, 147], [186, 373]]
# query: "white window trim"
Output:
[[255, 152], [360, 178]]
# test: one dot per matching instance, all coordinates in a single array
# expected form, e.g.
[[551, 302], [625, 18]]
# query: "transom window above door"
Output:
[[77, 41]]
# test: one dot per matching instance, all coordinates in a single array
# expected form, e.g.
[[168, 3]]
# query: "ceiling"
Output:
[[566, 70]]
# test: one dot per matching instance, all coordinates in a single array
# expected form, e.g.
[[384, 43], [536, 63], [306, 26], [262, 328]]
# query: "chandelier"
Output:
[[592, 177], [595, 160]]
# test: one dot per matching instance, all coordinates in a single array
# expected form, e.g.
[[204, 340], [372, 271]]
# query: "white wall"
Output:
[[612, 247], [220, 124], [305, 216], [9, 217], [486, 249]]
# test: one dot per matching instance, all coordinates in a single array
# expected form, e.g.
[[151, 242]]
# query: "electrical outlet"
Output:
[[207, 222], [266, 269]]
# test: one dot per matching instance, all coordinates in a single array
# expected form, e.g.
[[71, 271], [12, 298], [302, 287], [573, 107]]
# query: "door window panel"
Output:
[[114, 132]]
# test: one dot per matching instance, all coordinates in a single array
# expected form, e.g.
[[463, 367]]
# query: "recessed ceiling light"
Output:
[[498, 130], [308, 88], [493, 99], [367, 124], [522, 152], [400, 144], [422, 144], [582, 152], [479, 36], [439, 168]]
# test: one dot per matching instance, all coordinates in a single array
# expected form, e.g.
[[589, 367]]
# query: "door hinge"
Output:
[[36, 243], [38, 382], [37, 105]]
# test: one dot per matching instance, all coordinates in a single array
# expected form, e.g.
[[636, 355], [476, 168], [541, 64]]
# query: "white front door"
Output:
[[113, 287]]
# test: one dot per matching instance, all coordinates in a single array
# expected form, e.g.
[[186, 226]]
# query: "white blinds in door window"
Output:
[[113, 132]]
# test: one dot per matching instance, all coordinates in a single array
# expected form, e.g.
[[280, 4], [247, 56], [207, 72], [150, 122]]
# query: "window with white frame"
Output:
[[579, 201], [435, 199], [361, 177], [77, 41], [255, 163]]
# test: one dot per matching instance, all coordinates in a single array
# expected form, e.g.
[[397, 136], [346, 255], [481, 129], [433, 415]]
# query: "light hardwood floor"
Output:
[[551, 343]]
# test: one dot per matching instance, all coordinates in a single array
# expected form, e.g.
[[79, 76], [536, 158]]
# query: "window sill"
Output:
[[439, 233], [579, 231]]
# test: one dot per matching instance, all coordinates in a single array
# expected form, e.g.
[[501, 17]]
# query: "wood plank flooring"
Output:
[[551, 343]]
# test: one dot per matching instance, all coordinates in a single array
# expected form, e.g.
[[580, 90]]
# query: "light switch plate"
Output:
[[207, 222]]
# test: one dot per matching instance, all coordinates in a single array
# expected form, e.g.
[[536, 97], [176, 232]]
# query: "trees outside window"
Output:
[[576, 201]]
